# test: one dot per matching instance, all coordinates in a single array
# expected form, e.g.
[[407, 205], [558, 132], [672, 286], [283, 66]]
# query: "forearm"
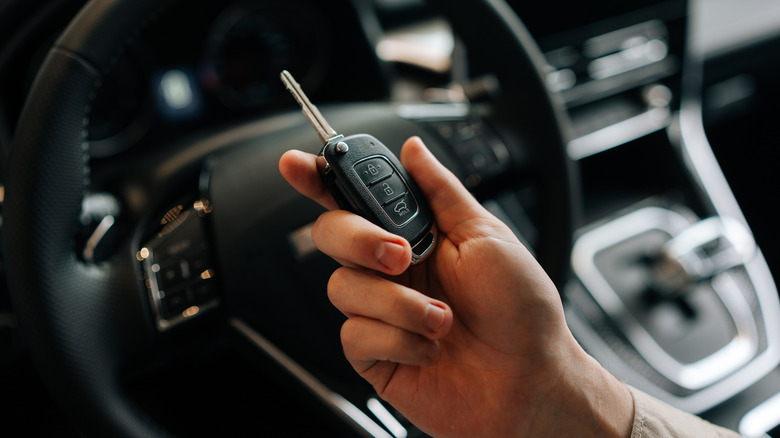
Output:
[[592, 402]]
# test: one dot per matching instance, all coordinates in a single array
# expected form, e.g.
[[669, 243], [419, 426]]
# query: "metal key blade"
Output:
[[324, 130]]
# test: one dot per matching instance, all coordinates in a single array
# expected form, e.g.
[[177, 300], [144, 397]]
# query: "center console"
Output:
[[671, 291]]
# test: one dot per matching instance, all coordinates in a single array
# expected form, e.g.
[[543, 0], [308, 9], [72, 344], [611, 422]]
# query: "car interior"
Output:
[[158, 273]]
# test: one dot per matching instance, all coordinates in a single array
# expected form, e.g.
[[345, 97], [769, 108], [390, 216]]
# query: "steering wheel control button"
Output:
[[478, 149], [202, 292], [172, 276], [372, 170], [366, 178], [173, 303], [179, 270]]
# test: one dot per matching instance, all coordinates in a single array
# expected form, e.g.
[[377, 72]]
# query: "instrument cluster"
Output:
[[200, 65]]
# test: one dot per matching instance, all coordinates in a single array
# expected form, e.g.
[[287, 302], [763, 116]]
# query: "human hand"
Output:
[[472, 342]]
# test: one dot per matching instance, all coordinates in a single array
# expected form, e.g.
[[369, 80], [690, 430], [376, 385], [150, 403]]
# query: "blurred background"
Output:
[[674, 109]]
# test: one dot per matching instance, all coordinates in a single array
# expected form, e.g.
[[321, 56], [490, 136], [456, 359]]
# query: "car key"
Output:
[[366, 178]]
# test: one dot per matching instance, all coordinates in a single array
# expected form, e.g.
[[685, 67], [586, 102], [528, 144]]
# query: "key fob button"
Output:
[[373, 170], [401, 210], [388, 190]]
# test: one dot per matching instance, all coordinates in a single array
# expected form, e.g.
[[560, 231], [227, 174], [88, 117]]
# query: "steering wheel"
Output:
[[86, 322]]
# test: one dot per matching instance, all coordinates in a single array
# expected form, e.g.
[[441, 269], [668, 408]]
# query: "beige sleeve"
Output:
[[654, 418]]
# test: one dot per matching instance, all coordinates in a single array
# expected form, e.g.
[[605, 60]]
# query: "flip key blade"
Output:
[[321, 126]]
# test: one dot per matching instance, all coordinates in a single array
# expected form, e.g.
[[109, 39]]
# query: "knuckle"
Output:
[[336, 284], [350, 337], [316, 229], [411, 311]]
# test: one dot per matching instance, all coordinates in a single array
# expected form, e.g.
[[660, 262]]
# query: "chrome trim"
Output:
[[696, 375], [703, 165], [332, 399], [96, 236], [420, 253], [642, 53], [761, 419], [424, 111], [391, 423], [696, 402], [584, 332], [619, 133], [701, 161], [616, 40]]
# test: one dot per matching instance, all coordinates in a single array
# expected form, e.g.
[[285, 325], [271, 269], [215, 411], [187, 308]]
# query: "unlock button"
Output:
[[387, 190]]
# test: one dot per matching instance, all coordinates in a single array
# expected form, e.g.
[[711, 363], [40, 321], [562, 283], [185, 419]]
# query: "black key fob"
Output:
[[366, 178]]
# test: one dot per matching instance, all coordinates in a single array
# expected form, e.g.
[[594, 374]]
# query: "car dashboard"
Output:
[[671, 272], [200, 66]]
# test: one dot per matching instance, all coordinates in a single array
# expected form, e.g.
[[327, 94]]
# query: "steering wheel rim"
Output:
[[83, 321]]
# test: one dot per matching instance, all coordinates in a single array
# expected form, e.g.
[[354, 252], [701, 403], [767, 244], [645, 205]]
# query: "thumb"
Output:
[[450, 201]]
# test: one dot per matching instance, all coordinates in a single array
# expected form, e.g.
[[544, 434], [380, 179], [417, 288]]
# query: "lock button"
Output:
[[373, 170]]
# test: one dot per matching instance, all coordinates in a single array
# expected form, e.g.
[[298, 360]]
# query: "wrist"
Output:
[[587, 400]]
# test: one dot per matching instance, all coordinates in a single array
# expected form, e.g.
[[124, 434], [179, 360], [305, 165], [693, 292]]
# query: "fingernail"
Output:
[[390, 255], [435, 317]]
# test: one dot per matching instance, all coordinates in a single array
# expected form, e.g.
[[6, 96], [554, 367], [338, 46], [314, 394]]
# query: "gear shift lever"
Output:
[[701, 252]]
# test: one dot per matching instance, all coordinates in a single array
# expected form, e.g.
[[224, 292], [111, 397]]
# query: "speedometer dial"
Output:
[[249, 44]]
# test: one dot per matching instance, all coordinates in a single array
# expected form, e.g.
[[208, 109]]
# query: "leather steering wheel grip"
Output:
[[79, 321]]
